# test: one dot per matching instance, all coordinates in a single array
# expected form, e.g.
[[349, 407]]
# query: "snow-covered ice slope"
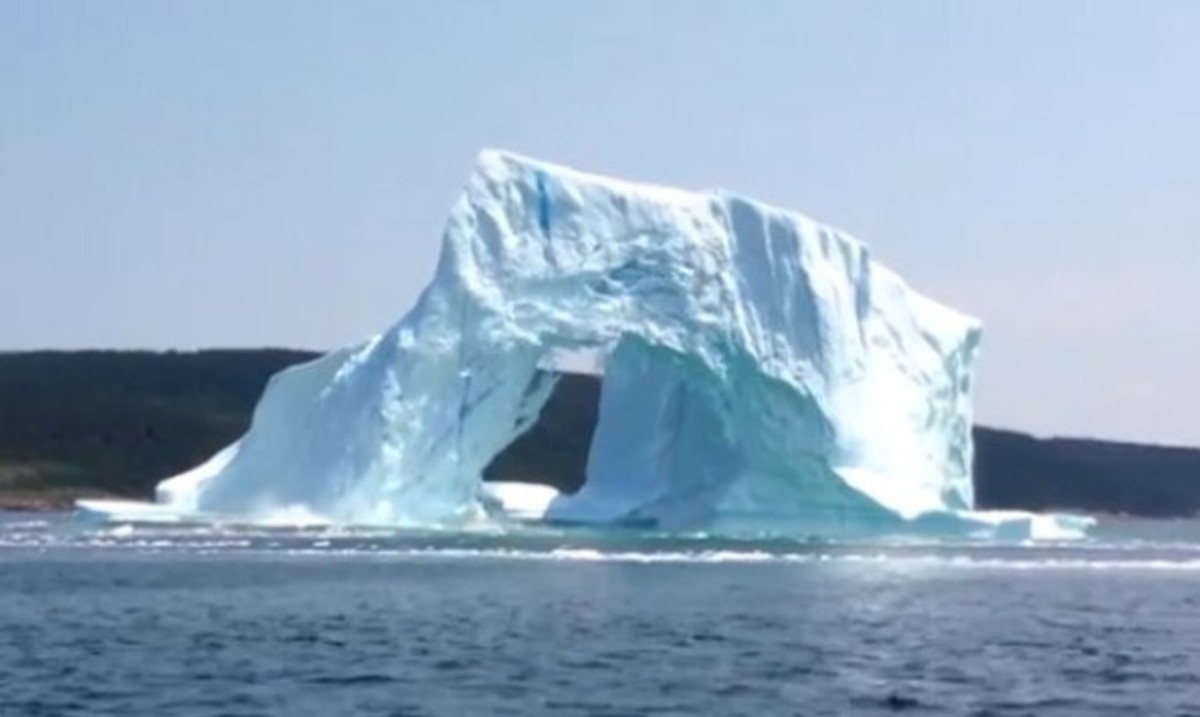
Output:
[[762, 371]]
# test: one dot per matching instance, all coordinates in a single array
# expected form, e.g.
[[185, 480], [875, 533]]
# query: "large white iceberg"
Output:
[[762, 372]]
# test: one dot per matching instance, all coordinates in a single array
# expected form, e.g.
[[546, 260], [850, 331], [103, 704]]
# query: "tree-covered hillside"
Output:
[[103, 422], [115, 423]]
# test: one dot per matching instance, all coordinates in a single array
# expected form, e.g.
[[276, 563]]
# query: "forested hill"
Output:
[[114, 423]]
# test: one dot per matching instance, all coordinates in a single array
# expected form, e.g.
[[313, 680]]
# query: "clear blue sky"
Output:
[[227, 173]]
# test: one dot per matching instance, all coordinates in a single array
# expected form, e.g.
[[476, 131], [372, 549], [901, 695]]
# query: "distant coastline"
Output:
[[76, 424]]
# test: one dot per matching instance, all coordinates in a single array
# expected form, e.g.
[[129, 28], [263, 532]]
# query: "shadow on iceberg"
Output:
[[762, 373]]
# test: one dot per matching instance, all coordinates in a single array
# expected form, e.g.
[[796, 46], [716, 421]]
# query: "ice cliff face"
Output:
[[762, 372]]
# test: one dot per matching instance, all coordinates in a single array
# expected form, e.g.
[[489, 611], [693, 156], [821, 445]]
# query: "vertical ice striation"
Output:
[[762, 371]]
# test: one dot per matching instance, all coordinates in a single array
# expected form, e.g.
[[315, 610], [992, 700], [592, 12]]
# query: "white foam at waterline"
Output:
[[885, 561]]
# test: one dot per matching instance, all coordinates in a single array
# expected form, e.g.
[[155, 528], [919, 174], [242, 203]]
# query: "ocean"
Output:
[[225, 620]]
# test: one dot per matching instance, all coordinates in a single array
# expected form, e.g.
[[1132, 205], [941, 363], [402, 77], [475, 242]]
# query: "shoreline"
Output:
[[52, 501]]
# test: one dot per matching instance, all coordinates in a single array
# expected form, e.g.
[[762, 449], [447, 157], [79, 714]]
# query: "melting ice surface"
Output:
[[763, 374]]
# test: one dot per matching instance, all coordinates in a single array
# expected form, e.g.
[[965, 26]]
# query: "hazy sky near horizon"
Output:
[[228, 173]]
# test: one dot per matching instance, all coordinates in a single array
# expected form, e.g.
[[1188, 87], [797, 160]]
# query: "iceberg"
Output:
[[761, 372]]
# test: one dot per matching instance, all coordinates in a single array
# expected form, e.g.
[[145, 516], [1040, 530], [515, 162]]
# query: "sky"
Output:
[[243, 174]]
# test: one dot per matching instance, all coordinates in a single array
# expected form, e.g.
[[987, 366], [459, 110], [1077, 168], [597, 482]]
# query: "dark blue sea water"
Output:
[[142, 620]]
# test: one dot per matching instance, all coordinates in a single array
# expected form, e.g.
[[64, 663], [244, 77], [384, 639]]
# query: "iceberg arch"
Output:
[[762, 372]]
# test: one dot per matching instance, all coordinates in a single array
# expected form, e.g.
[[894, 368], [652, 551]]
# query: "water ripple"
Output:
[[200, 621]]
